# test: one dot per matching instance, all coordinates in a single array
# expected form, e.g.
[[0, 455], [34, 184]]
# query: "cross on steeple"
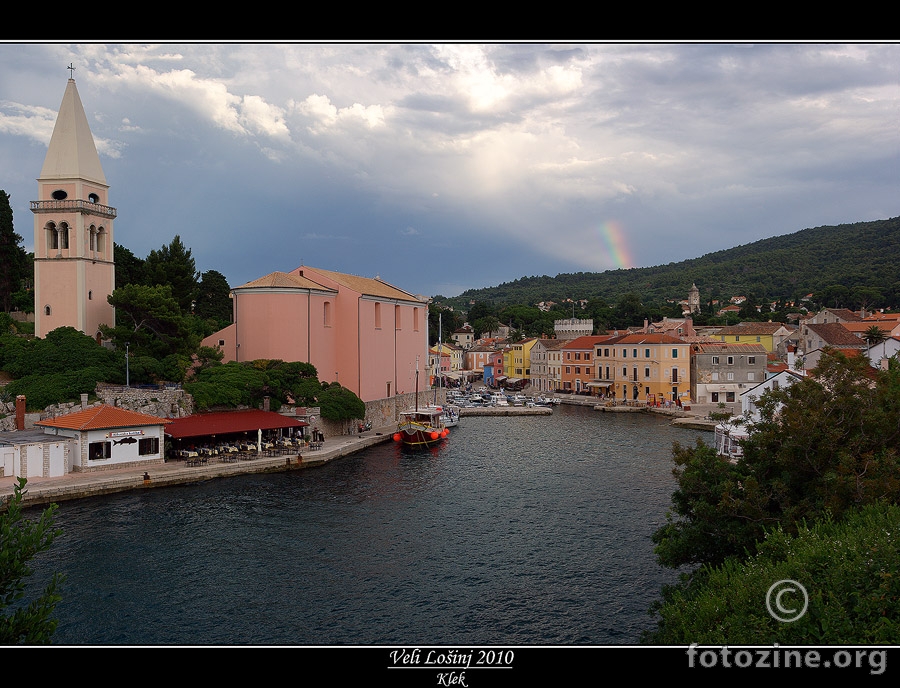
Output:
[[71, 69]]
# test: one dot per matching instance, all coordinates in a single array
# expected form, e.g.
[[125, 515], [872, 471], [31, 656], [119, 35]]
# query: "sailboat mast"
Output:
[[417, 384]]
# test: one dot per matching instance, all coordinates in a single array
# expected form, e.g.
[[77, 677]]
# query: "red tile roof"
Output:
[[230, 422], [102, 417]]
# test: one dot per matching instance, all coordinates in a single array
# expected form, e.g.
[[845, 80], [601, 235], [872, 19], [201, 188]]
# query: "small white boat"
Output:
[[498, 399]]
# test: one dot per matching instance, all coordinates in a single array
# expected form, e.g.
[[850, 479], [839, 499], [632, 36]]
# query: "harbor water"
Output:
[[515, 531]]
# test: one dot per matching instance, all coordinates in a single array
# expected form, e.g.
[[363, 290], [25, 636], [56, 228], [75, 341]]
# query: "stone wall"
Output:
[[166, 401]]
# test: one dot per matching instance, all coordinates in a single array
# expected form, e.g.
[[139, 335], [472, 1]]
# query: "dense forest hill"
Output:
[[836, 259]]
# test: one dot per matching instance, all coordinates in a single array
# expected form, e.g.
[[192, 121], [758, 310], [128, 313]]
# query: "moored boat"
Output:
[[421, 427]]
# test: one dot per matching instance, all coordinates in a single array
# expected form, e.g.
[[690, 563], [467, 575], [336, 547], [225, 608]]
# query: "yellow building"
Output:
[[643, 367], [769, 334]]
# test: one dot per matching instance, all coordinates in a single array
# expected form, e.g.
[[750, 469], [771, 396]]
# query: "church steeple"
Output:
[[72, 153], [73, 229]]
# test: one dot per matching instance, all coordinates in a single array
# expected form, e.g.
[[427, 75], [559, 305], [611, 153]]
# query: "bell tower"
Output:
[[73, 229]]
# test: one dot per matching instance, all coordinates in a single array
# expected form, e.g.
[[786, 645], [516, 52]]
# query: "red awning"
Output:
[[228, 422]]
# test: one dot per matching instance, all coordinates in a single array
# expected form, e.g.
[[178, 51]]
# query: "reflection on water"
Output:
[[516, 530]]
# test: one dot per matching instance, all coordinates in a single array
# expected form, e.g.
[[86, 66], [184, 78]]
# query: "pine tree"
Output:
[[12, 255]]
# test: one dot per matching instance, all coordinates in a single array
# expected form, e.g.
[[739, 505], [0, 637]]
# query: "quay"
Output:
[[77, 485]]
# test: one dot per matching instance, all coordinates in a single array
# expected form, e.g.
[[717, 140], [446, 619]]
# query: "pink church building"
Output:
[[362, 332]]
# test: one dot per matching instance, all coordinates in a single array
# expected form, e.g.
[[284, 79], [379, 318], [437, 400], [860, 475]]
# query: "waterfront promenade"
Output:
[[79, 485]]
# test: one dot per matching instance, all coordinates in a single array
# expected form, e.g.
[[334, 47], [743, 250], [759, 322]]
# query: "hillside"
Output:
[[863, 254]]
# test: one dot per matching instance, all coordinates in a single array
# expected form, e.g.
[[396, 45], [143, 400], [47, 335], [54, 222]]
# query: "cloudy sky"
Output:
[[444, 167]]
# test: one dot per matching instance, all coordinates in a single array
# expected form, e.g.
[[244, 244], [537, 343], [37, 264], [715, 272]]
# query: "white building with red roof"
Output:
[[94, 439]]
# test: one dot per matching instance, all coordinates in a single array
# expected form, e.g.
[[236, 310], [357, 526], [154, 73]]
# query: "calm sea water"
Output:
[[516, 531]]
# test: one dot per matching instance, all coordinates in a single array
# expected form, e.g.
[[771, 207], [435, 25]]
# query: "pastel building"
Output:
[[650, 367], [364, 333], [73, 229]]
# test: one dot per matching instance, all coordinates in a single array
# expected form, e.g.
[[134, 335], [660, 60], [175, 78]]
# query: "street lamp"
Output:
[[127, 372]]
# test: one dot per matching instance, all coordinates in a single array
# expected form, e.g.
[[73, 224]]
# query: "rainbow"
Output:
[[612, 238]]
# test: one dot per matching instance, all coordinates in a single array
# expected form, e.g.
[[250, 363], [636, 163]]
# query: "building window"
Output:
[[730, 376], [634, 353], [99, 450], [606, 352], [326, 314], [148, 445], [577, 355], [715, 397], [578, 370], [737, 338], [46, 310], [758, 339], [221, 342], [751, 377], [377, 316], [568, 370], [751, 360], [715, 377], [624, 372], [396, 317], [90, 295], [624, 353], [715, 360], [729, 396], [647, 373], [646, 353], [730, 360]]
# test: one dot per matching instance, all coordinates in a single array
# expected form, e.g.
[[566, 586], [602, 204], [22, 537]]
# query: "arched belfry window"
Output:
[[52, 237], [46, 310], [93, 238], [64, 236], [378, 316], [327, 314]]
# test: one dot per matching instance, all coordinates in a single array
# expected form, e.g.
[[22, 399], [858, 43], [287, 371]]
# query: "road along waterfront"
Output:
[[516, 530]]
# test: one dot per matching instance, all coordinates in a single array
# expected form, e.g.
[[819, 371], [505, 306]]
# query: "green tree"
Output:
[[214, 299], [339, 403], [848, 569], [824, 445], [12, 255], [129, 268], [174, 266], [150, 321], [21, 539]]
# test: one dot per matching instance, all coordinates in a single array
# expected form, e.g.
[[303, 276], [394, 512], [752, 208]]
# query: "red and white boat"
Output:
[[421, 427]]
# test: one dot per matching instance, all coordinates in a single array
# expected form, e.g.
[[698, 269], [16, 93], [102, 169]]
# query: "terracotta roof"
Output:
[[229, 422], [835, 334], [643, 338], [282, 280], [724, 347], [102, 417], [752, 328], [587, 341], [364, 285]]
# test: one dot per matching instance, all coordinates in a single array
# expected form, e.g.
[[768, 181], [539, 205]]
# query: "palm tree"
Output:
[[875, 335]]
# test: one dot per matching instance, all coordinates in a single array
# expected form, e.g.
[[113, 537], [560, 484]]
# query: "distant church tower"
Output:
[[694, 299], [73, 229]]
